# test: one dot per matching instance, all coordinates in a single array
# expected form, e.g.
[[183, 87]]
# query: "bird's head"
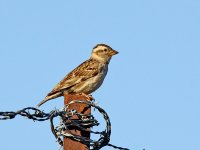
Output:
[[103, 53]]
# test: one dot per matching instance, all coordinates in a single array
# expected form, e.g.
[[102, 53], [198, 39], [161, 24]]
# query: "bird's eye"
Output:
[[105, 50]]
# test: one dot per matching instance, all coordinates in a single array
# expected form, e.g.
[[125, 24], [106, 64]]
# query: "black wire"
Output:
[[83, 123]]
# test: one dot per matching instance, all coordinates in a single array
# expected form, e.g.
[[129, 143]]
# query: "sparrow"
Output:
[[87, 77]]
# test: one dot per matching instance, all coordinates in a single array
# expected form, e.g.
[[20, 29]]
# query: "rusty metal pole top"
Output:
[[69, 144]]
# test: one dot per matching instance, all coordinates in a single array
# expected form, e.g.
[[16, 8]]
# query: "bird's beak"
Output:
[[113, 52]]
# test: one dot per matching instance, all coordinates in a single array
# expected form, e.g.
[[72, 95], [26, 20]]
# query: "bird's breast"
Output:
[[95, 82]]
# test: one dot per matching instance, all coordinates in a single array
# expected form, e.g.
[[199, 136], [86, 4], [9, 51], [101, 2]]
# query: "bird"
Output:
[[87, 77]]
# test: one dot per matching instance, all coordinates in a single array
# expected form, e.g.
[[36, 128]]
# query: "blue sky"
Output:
[[151, 92]]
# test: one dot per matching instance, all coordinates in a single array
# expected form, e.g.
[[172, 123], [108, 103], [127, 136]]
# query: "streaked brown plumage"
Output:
[[87, 77]]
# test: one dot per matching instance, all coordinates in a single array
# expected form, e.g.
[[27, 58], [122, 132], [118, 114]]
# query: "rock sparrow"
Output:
[[87, 77]]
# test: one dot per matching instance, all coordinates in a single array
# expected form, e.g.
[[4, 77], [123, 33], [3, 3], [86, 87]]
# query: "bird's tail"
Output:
[[42, 102], [49, 97]]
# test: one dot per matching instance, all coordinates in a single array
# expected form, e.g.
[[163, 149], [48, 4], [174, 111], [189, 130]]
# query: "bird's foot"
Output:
[[88, 97]]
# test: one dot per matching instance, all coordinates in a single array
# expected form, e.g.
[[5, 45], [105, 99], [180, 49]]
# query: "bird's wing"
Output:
[[86, 70]]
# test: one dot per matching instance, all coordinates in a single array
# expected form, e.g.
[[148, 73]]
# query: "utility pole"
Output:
[[69, 144]]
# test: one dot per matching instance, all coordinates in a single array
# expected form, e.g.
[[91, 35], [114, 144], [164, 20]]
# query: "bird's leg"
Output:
[[88, 97]]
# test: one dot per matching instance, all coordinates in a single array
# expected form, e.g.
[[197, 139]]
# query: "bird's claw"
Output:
[[88, 97]]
